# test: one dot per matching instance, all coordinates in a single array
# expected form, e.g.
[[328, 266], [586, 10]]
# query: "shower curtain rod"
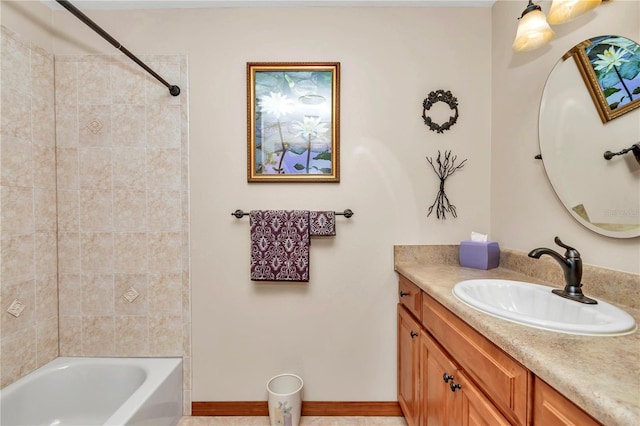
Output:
[[174, 90]]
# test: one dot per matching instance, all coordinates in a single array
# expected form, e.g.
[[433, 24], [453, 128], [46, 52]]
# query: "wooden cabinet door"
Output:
[[439, 404], [476, 409], [409, 366], [552, 408]]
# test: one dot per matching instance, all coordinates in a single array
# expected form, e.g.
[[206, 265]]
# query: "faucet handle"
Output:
[[571, 252]]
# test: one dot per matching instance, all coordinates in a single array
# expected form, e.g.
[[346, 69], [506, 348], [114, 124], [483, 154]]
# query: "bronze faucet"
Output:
[[571, 265]]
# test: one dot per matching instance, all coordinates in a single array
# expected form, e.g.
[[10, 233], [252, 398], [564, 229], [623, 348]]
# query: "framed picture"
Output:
[[293, 121], [610, 67]]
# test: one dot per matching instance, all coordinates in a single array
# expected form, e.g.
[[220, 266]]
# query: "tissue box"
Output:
[[479, 254]]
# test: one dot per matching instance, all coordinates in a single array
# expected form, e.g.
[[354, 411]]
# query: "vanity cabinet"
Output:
[[432, 388], [449, 374]]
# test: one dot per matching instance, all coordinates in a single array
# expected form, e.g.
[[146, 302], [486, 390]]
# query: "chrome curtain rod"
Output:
[[239, 214], [174, 90]]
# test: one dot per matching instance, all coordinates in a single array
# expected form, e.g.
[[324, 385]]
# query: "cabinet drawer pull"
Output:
[[414, 334], [454, 386], [446, 377], [404, 293]]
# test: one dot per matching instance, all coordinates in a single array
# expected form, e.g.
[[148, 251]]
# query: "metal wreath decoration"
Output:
[[440, 96]]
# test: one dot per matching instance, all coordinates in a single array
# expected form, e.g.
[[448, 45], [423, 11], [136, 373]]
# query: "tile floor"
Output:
[[304, 421]]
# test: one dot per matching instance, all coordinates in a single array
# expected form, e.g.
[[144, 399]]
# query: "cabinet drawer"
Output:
[[501, 378], [410, 296]]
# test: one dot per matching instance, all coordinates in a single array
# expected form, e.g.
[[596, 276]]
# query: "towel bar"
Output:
[[239, 214]]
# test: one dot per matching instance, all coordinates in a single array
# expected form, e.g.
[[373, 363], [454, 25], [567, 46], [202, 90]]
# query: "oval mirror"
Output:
[[588, 107]]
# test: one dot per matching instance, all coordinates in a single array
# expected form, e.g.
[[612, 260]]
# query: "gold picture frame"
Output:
[[609, 67], [293, 121]]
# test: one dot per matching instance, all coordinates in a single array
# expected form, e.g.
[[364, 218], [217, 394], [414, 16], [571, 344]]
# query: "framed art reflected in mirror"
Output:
[[610, 67], [293, 121]]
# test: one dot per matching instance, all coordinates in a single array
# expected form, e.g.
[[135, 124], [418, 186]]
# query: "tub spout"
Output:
[[571, 265]]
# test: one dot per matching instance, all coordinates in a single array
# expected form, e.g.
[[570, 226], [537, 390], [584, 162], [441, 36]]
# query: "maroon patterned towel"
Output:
[[279, 245], [323, 223]]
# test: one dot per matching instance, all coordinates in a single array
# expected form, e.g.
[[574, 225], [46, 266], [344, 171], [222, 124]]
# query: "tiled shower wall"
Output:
[[105, 166], [123, 223], [27, 210]]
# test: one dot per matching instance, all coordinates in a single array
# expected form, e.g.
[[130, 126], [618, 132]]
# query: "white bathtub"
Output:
[[72, 391]]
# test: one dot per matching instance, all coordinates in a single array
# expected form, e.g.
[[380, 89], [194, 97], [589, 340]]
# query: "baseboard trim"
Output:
[[309, 408]]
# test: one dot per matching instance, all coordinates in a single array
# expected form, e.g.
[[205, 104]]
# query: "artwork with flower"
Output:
[[612, 64], [293, 122]]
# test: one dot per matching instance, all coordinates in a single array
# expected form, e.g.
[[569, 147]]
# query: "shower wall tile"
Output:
[[16, 113], [44, 209], [25, 292], [97, 294], [130, 252], [165, 211], [132, 335], [163, 168], [127, 82], [98, 335], [68, 210], [94, 126], [95, 168], [66, 82], [46, 299], [16, 66], [18, 355], [165, 294], [70, 294], [44, 166], [68, 168], [17, 257], [140, 305], [67, 127], [129, 168], [69, 252], [165, 335], [94, 80], [47, 341], [163, 125], [70, 335], [16, 162], [42, 119], [96, 250], [46, 258], [17, 210], [96, 211], [129, 210], [128, 125], [123, 206]]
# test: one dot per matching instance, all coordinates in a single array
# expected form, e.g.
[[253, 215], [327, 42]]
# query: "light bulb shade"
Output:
[[533, 32], [566, 10]]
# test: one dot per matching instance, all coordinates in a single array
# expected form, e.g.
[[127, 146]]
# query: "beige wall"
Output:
[[525, 212], [28, 208]]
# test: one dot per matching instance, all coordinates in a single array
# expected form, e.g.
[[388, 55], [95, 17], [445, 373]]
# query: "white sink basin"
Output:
[[534, 305]]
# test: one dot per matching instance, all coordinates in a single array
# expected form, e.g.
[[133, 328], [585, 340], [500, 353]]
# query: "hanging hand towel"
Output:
[[279, 245], [323, 223]]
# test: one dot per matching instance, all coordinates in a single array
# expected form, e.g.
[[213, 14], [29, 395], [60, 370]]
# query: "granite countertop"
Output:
[[599, 374]]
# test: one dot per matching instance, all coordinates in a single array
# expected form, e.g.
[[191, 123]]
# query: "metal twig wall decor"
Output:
[[440, 96], [446, 167]]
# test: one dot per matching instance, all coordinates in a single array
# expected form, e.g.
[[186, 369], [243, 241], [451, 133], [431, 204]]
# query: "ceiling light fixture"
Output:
[[533, 29], [567, 10]]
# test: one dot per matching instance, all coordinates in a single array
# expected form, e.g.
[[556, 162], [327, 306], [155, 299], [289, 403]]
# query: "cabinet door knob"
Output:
[[446, 377], [414, 334], [403, 294], [454, 386]]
